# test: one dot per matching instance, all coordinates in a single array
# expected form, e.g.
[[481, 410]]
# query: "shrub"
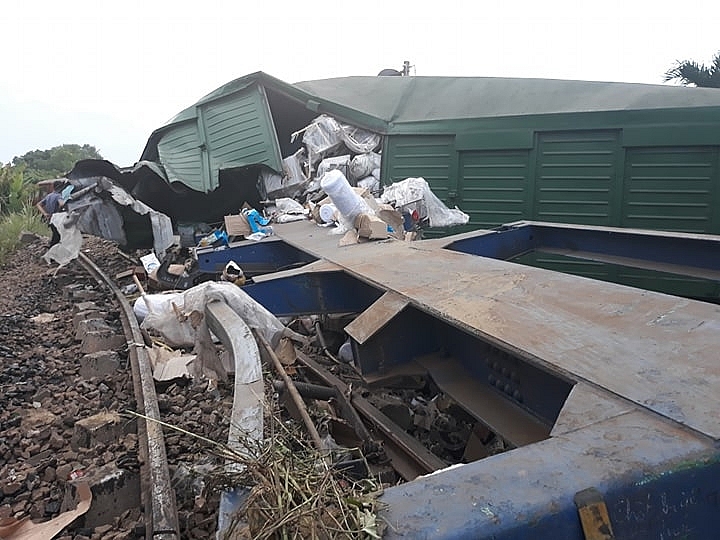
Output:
[[11, 225]]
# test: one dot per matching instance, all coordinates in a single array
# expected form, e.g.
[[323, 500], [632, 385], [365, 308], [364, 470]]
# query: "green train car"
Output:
[[594, 153], [502, 150]]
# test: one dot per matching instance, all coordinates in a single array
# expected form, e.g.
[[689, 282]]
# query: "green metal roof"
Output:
[[375, 102], [233, 126], [420, 99]]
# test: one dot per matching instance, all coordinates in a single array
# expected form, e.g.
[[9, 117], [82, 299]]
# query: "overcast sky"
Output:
[[107, 73]]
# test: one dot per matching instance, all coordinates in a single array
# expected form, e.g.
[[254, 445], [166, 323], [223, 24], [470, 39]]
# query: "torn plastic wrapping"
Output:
[[292, 183], [325, 135], [289, 210], [338, 162], [180, 333], [270, 182], [370, 183], [155, 303], [321, 137], [70, 240], [286, 205], [363, 165], [413, 190], [358, 140], [292, 167]]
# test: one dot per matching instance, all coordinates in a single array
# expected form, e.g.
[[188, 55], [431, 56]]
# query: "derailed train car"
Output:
[[595, 153], [591, 153]]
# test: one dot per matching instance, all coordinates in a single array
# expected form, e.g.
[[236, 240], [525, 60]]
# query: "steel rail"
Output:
[[158, 495]]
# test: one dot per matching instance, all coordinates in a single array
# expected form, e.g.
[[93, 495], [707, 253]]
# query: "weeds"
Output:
[[293, 492], [11, 225]]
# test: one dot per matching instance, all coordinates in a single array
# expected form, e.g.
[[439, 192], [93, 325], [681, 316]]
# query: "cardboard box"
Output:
[[393, 218], [371, 227], [237, 225]]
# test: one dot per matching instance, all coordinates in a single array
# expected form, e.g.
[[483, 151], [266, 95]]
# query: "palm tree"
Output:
[[690, 73]]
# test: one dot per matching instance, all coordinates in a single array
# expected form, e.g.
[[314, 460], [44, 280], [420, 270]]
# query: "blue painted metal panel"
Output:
[[682, 250], [658, 475], [413, 333], [253, 257], [309, 293], [657, 480]]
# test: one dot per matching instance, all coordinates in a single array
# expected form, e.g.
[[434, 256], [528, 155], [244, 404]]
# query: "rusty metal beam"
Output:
[[410, 456]]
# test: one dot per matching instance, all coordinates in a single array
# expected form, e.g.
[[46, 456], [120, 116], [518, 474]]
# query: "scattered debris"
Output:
[[413, 196], [24, 529]]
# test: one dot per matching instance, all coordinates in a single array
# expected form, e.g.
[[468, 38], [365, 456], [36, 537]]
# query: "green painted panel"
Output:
[[239, 132], [421, 156], [493, 186], [179, 151], [566, 265], [499, 139], [672, 135], [669, 188], [576, 176]]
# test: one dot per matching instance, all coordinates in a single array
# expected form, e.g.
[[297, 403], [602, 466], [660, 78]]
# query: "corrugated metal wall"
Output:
[[586, 177], [426, 156], [494, 186], [572, 176], [239, 132], [670, 188], [179, 151], [233, 132], [576, 177]]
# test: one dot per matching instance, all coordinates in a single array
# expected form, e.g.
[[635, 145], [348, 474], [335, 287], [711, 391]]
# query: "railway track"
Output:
[[173, 499], [160, 507], [47, 397]]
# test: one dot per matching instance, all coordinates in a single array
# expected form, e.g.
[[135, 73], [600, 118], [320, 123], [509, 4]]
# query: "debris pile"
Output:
[[292, 491], [335, 179]]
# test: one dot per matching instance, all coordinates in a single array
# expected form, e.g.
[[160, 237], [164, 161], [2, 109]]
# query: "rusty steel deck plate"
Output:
[[655, 350]]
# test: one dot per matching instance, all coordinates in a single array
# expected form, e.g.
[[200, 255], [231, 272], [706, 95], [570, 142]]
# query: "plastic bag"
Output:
[[70, 239], [363, 165], [288, 210], [292, 167], [338, 162], [158, 303], [287, 205], [413, 190], [325, 135], [358, 140], [321, 137], [370, 183]]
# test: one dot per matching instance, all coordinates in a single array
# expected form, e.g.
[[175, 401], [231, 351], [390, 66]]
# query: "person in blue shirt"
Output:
[[51, 203]]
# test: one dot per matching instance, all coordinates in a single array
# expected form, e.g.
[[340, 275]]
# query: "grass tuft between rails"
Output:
[[292, 491]]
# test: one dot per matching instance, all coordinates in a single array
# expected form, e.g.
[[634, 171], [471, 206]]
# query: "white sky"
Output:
[[107, 73]]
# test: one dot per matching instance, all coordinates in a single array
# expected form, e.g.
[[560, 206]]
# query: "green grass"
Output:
[[11, 225]]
